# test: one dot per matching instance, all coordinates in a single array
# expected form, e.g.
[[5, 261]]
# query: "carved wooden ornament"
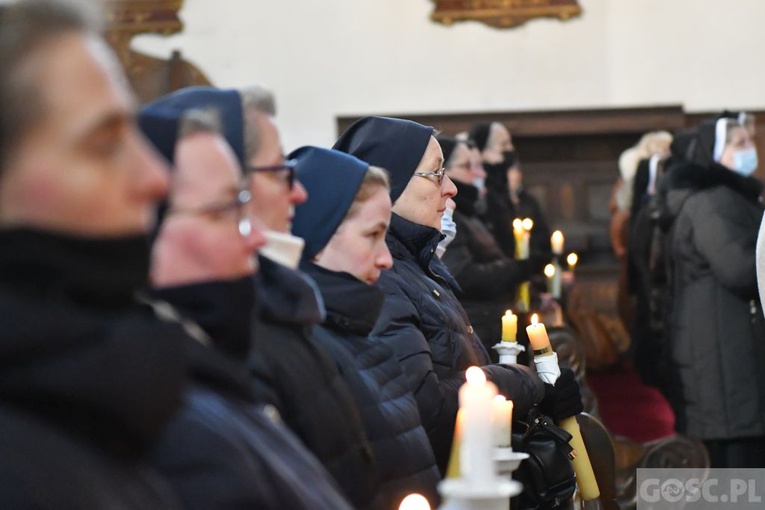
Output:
[[503, 13]]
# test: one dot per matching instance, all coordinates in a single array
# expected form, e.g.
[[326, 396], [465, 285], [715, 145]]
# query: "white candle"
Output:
[[556, 240], [414, 502], [503, 419], [550, 274], [476, 398], [572, 259]]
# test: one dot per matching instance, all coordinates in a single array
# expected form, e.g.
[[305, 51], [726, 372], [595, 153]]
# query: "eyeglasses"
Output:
[[287, 169], [438, 174], [219, 212]]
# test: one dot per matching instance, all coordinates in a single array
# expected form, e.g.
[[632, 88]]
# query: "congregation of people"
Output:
[[194, 317]]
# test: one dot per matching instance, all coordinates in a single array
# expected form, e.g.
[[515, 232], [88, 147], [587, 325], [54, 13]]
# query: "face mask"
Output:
[[449, 229], [508, 160], [745, 162], [480, 183]]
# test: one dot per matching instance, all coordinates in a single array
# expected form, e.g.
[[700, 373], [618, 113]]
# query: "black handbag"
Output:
[[547, 475]]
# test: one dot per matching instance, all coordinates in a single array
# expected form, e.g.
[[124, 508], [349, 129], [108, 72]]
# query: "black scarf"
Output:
[[98, 272], [223, 309]]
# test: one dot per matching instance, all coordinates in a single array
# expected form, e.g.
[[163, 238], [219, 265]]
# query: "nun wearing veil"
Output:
[[421, 319], [717, 338]]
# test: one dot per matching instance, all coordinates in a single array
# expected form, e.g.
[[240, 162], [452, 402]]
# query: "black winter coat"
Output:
[[716, 326], [404, 456], [430, 333], [304, 383], [488, 278], [85, 393], [225, 450]]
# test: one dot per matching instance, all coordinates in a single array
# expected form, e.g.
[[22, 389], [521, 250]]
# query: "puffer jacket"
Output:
[[304, 384], [716, 324], [225, 449], [487, 277], [430, 333], [403, 453]]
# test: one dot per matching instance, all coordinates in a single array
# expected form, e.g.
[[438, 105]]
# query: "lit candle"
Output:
[[550, 274], [414, 502], [503, 420], [540, 342], [556, 240], [585, 477], [519, 235], [509, 327], [476, 397], [528, 224], [453, 468], [572, 259]]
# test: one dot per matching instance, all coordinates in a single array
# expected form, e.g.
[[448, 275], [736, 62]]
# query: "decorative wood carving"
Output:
[[149, 76], [503, 13]]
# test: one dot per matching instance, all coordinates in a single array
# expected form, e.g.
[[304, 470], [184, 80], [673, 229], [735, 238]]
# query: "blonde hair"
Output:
[[374, 179]]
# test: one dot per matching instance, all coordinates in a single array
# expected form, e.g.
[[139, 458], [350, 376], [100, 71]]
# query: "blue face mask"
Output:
[[480, 183], [745, 162]]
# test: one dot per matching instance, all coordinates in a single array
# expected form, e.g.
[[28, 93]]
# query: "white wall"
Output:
[[325, 58]]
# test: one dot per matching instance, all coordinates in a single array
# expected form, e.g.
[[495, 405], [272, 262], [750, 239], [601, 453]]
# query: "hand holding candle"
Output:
[[544, 358]]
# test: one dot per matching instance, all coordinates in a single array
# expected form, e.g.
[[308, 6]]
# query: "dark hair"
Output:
[[25, 26]]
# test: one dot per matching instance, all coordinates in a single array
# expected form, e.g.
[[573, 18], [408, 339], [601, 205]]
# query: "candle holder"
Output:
[[461, 494], [508, 352], [508, 461]]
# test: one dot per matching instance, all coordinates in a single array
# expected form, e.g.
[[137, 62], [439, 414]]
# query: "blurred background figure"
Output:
[[716, 328], [488, 279], [506, 197], [89, 377]]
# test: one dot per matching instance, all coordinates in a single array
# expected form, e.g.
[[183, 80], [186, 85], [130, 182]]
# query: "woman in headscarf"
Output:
[[488, 278], [716, 327], [506, 198], [421, 318], [344, 224]]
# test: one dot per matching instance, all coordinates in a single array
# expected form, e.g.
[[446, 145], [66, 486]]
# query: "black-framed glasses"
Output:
[[438, 174], [287, 169], [219, 211]]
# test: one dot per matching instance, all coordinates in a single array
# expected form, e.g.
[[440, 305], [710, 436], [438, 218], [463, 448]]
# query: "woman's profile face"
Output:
[[358, 246], [738, 140], [424, 198]]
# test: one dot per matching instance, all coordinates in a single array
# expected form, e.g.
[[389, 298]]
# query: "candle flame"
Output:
[[517, 224], [534, 319], [475, 375], [527, 223], [500, 398], [557, 237], [508, 313], [572, 259], [414, 502], [549, 270]]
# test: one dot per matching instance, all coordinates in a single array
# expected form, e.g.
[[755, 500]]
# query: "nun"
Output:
[[344, 223], [716, 323], [488, 278], [421, 319]]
